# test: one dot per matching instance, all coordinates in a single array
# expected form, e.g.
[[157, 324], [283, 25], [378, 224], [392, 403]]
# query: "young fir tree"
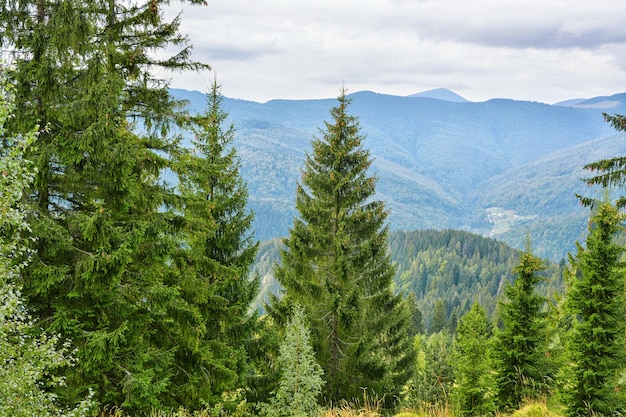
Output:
[[215, 260], [26, 359], [518, 355], [596, 301], [301, 378], [335, 265], [101, 271], [474, 380], [435, 372]]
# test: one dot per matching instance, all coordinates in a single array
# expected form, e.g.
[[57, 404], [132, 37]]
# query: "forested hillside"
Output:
[[440, 164], [458, 268], [452, 267]]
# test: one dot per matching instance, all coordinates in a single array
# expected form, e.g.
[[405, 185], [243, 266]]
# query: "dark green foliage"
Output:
[[475, 386], [417, 320], [264, 375], [434, 377], [214, 262], [335, 265], [596, 301], [27, 358], [452, 267], [617, 121], [440, 318], [518, 346], [101, 272]]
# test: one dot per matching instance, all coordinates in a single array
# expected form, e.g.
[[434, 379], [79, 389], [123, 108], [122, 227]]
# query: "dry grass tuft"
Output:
[[370, 407], [535, 409]]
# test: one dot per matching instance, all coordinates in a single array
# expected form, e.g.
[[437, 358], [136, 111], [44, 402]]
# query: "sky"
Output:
[[537, 50]]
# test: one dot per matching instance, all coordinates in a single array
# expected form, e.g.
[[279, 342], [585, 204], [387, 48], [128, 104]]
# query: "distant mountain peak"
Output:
[[441, 94], [601, 102]]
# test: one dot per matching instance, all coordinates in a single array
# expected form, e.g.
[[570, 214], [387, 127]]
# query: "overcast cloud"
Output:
[[540, 50]]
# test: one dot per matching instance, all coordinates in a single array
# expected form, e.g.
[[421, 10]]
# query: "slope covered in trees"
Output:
[[449, 267], [454, 268], [440, 164]]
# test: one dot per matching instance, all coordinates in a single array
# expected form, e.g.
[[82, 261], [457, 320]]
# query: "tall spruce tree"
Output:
[[335, 265], [518, 357], [101, 271], [215, 260], [596, 302]]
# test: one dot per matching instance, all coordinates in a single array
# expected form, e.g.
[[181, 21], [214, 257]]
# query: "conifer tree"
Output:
[[26, 358], [439, 319], [518, 357], [612, 171], [301, 378], [417, 320], [435, 374], [474, 381], [215, 260], [101, 271], [596, 301], [335, 265]]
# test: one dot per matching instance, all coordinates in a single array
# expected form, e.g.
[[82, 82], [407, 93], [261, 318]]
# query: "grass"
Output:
[[369, 408], [535, 409]]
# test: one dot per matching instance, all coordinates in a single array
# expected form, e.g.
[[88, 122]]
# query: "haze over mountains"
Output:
[[499, 167]]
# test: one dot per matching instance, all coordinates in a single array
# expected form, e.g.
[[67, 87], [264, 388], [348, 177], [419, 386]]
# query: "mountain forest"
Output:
[[173, 253]]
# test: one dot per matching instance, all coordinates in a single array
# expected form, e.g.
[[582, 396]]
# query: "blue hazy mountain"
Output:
[[571, 102], [441, 94], [499, 167]]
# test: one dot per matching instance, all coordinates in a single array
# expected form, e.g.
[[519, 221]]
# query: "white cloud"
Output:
[[523, 49]]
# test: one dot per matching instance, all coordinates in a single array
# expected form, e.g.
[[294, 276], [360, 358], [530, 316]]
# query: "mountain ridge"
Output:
[[434, 159]]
